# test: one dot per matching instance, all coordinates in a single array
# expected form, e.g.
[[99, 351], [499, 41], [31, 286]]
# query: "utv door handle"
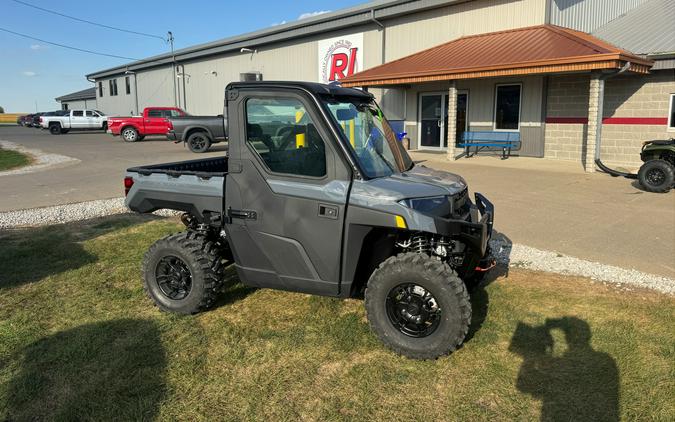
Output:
[[243, 214], [328, 211]]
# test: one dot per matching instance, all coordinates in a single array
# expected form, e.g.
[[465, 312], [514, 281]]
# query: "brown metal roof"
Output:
[[536, 49]]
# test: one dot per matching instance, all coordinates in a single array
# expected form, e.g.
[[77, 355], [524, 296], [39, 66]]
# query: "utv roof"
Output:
[[313, 87]]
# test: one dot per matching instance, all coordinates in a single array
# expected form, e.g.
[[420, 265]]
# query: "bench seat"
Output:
[[488, 139]]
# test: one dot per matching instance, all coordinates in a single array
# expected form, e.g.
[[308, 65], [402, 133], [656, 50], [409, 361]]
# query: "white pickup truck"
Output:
[[75, 120]]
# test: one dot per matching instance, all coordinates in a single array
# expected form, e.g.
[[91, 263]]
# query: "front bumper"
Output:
[[477, 230]]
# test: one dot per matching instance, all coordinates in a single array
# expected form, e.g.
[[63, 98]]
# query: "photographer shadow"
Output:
[[578, 384]]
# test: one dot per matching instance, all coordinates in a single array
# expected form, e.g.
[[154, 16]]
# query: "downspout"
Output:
[[598, 126], [182, 66], [136, 93], [384, 34]]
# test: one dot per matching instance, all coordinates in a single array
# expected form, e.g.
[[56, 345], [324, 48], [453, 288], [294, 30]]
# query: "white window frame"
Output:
[[520, 107], [671, 123]]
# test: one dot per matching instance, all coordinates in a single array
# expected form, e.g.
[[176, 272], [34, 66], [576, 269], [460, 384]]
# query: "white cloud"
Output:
[[37, 47], [312, 14], [28, 73], [303, 16]]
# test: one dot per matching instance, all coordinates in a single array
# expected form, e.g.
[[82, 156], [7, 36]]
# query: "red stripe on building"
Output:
[[612, 120]]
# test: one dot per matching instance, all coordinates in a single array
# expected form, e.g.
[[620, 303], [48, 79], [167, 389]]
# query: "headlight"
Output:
[[436, 205]]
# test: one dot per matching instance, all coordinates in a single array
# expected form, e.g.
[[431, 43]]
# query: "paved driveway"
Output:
[[546, 204], [99, 175], [555, 206]]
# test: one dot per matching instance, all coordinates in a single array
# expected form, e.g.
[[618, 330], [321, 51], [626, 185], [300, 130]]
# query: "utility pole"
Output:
[[36, 106], [173, 69]]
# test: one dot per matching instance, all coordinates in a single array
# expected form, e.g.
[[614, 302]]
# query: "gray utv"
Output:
[[317, 195]]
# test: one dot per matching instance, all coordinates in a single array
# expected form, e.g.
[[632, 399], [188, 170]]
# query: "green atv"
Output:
[[657, 174]]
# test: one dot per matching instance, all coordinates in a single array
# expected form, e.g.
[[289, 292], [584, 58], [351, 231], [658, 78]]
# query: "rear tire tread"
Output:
[[205, 258]]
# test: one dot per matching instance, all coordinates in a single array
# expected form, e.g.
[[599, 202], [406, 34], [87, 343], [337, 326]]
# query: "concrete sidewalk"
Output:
[[554, 205]]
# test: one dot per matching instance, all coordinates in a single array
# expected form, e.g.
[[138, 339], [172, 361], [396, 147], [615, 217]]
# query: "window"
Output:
[[78, 113], [100, 113], [172, 113], [127, 83], [369, 135], [113, 86], [281, 132], [155, 113], [671, 113], [507, 107], [100, 89], [64, 106], [89, 113]]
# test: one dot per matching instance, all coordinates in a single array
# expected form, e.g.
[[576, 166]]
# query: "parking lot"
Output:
[[550, 205], [98, 175]]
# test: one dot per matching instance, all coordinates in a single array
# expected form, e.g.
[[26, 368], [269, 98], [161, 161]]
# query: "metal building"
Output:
[[442, 67], [85, 99]]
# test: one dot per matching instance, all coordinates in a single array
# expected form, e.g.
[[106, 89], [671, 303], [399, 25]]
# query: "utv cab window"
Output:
[[373, 142], [281, 132]]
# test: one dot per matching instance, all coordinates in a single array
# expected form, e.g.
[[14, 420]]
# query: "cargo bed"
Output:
[[196, 187]]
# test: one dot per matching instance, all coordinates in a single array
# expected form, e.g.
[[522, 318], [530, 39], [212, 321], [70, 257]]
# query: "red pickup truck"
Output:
[[154, 121]]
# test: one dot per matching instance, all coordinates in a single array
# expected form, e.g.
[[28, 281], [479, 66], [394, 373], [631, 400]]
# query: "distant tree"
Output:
[[2, 110]]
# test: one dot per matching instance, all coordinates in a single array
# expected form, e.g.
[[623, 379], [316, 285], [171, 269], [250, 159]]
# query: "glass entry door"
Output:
[[433, 120]]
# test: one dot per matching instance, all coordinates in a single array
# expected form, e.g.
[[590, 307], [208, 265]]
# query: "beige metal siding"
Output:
[[122, 104], [80, 104], [412, 33]]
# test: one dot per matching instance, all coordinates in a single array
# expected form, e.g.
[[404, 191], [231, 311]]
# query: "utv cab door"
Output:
[[286, 192]]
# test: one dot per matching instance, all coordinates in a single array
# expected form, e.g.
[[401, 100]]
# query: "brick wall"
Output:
[[567, 97], [626, 96]]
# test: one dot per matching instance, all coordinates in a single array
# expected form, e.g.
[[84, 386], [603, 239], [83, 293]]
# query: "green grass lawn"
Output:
[[12, 159], [80, 341]]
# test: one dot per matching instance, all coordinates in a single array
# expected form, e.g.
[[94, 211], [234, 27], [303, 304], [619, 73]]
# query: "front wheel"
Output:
[[418, 306], [199, 142], [656, 176], [129, 134], [183, 272]]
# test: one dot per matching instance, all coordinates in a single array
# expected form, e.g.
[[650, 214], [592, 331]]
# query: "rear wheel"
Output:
[[656, 176], [418, 306], [129, 134], [199, 142], [55, 128], [183, 272]]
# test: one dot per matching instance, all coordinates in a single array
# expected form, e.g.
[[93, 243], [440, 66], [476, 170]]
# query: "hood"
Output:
[[419, 182], [451, 183]]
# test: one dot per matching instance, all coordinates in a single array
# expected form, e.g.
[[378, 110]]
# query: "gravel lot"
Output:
[[506, 253]]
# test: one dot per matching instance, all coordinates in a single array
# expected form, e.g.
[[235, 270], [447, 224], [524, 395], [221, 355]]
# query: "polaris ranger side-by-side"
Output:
[[318, 196]]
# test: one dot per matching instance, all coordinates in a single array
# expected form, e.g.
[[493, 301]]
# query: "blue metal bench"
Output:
[[480, 140]]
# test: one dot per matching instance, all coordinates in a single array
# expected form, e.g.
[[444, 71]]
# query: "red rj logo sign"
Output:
[[340, 57]]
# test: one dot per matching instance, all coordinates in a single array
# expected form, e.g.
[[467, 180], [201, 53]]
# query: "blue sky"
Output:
[[31, 71]]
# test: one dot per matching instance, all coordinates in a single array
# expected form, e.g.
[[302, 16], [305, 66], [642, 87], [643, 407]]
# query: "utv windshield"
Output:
[[373, 142]]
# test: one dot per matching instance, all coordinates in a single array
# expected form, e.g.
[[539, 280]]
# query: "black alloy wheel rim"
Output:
[[198, 143], [173, 277], [413, 310], [655, 177]]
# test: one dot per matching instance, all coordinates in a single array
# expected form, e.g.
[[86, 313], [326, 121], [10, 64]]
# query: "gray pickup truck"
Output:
[[198, 132], [301, 204]]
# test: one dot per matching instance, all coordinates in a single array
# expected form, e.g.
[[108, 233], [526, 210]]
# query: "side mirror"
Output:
[[344, 114]]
